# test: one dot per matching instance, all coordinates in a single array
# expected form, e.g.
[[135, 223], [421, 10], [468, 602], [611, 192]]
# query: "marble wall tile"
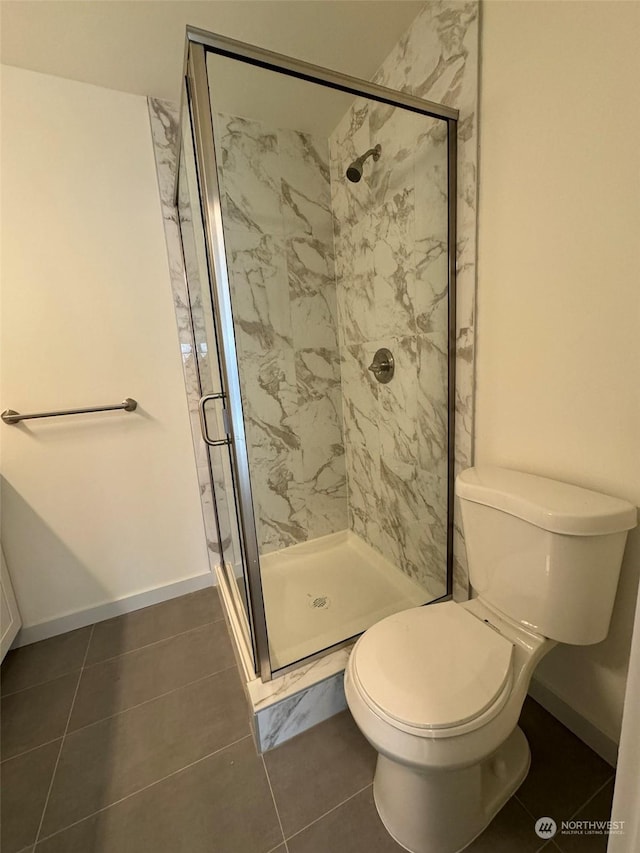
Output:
[[401, 513], [270, 407], [376, 281], [305, 187], [355, 277], [208, 513], [285, 314], [349, 140], [165, 128], [427, 542], [297, 700], [362, 442], [465, 355], [414, 522], [200, 448], [396, 131], [192, 335], [431, 403], [295, 714], [323, 462], [225, 505], [431, 231], [259, 292], [360, 398], [312, 293], [398, 401], [250, 167], [391, 273], [266, 362], [394, 264], [432, 59]]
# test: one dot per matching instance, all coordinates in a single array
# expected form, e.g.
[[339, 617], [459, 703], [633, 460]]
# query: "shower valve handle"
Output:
[[383, 365]]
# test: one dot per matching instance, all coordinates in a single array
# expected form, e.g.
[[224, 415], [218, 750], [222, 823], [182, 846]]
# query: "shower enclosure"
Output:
[[317, 215]]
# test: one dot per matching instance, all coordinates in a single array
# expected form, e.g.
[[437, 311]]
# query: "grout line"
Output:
[[145, 788], [61, 674], [153, 643], [531, 815], [42, 683], [593, 796], [275, 805], [545, 844], [554, 843], [4, 695], [151, 699], [55, 767], [548, 845], [31, 749], [329, 811]]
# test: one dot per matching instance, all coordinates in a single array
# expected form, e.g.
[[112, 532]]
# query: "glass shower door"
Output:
[[311, 274], [214, 398]]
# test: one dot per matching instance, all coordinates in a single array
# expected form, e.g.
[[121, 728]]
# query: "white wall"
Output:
[[559, 279], [626, 801], [95, 507]]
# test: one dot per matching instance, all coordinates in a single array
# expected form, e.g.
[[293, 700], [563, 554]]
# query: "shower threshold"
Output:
[[322, 592]]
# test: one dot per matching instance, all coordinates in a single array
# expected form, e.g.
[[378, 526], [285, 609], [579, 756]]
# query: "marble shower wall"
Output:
[[276, 205], [208, 370], [391, 263], [165, 128], [391, 272], [186, 260]]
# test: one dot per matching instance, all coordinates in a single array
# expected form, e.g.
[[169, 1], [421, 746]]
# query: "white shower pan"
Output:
[[327, 590]]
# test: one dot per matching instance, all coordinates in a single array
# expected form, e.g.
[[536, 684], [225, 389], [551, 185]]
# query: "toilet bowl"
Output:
[[438, 690], [445, 722]]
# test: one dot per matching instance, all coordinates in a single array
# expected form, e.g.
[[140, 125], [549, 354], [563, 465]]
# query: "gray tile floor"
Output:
[[133, 735]]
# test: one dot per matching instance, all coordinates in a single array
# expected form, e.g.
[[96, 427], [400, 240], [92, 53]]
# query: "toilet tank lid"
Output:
[[549, 504]]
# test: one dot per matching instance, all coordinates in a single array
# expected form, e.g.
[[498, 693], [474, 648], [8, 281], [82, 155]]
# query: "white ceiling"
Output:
[[138, 45]]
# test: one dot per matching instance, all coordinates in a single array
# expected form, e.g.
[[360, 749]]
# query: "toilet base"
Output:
[[444, 811]]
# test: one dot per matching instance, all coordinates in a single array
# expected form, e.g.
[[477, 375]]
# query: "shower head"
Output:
[[354, 172]]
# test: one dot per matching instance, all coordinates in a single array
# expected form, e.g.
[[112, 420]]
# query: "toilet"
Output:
[[438, 690]]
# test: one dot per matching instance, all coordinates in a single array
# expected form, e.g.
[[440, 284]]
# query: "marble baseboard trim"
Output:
[[291, 716], [599, 742], [82, 618]]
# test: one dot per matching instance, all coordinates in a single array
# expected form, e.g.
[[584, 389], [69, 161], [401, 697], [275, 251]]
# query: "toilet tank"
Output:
[[545, 553]]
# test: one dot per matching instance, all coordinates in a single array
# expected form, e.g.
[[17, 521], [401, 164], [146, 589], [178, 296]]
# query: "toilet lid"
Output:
[[432, 667]]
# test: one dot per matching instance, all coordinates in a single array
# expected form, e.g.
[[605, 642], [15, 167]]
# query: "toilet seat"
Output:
[[433, 671]]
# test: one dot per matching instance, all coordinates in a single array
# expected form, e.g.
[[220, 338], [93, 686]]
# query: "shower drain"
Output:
[[319, 602]]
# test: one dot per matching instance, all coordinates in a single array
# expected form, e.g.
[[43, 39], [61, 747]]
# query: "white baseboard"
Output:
[[575, 722], [71, 621]]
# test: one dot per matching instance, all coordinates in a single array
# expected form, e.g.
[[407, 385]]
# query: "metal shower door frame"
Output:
[[199, 43], [207, 169]]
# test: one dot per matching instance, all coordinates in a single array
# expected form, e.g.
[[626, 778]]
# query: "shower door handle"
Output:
[[218, 442]]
